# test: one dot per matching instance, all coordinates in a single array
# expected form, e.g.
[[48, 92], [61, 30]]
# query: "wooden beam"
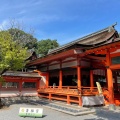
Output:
[[58, 56], [95, 57], [102, 49], [115, 54], [117, 66]]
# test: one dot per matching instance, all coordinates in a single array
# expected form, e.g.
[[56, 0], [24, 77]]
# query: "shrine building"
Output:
[[69, 73]]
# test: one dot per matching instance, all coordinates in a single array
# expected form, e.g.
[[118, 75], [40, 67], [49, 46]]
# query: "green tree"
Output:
[[23, 38], [44, 46], [12, 55]]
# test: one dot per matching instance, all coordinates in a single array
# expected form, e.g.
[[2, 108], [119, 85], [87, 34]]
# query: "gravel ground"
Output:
[[11, 113]]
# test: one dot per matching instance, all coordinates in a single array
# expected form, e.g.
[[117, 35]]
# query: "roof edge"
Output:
[[82, 38]]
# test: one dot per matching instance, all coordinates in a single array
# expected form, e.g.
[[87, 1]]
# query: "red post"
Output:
[[110, 79], [110, 86], [79, 77], [50, 96], [60, 79], [79, 83], [68, 99], [80, 101], [47, 80], [91, 79]]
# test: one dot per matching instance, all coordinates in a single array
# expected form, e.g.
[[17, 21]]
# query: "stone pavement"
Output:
[[102, 113]]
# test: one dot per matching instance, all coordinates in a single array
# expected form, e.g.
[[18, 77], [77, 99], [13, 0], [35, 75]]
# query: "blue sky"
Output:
[[64, 20]]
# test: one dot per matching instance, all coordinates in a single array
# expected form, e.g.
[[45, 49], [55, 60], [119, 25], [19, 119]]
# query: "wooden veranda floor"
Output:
[[72, 94]]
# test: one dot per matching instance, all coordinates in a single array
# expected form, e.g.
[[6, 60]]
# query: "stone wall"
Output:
[[16, 100]]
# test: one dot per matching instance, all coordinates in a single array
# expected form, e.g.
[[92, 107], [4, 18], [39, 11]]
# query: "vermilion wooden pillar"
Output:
[[47, 79], [79, 80], [79, 76], [60, 78], [91, 79], [110, 86], [79, 83], [110, 79], [47, 76], [60, 75]]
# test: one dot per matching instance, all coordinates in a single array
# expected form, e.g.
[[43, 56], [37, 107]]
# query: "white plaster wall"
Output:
[[29, 93], [70, 58], [54, 62], [9, 93], [52, 67], [69, 64]]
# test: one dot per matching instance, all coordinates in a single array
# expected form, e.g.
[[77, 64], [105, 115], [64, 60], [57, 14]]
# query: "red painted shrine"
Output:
[[70, 72]]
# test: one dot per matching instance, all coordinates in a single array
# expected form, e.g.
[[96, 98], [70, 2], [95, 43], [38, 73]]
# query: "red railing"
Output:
[[70, 90], [67, 93]]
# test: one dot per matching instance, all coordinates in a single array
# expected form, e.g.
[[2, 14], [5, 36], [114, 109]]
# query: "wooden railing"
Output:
[[73, 90], [74, 94], [67, 93]]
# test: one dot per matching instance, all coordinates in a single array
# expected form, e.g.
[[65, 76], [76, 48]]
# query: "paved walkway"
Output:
[[11, 113]]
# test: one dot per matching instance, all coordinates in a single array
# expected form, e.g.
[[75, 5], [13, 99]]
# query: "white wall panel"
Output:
[[69, 64]]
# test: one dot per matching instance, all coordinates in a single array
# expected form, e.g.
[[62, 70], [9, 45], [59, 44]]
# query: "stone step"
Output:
[[69, 109]]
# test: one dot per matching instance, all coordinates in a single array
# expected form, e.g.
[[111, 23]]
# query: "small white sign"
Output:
[[31, 112]]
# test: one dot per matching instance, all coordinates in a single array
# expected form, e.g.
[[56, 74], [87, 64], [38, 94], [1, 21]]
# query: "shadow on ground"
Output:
[[105, 114]]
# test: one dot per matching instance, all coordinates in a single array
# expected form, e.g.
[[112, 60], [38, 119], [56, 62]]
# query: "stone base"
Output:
[[14, 100]]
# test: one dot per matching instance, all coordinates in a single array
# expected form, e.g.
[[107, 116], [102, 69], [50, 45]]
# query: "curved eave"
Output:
[[83, 39], [105, 40]]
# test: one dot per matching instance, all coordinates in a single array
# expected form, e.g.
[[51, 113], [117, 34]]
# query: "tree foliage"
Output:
[[27, 40], [12, 55], [44, 46], [23, 38]]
